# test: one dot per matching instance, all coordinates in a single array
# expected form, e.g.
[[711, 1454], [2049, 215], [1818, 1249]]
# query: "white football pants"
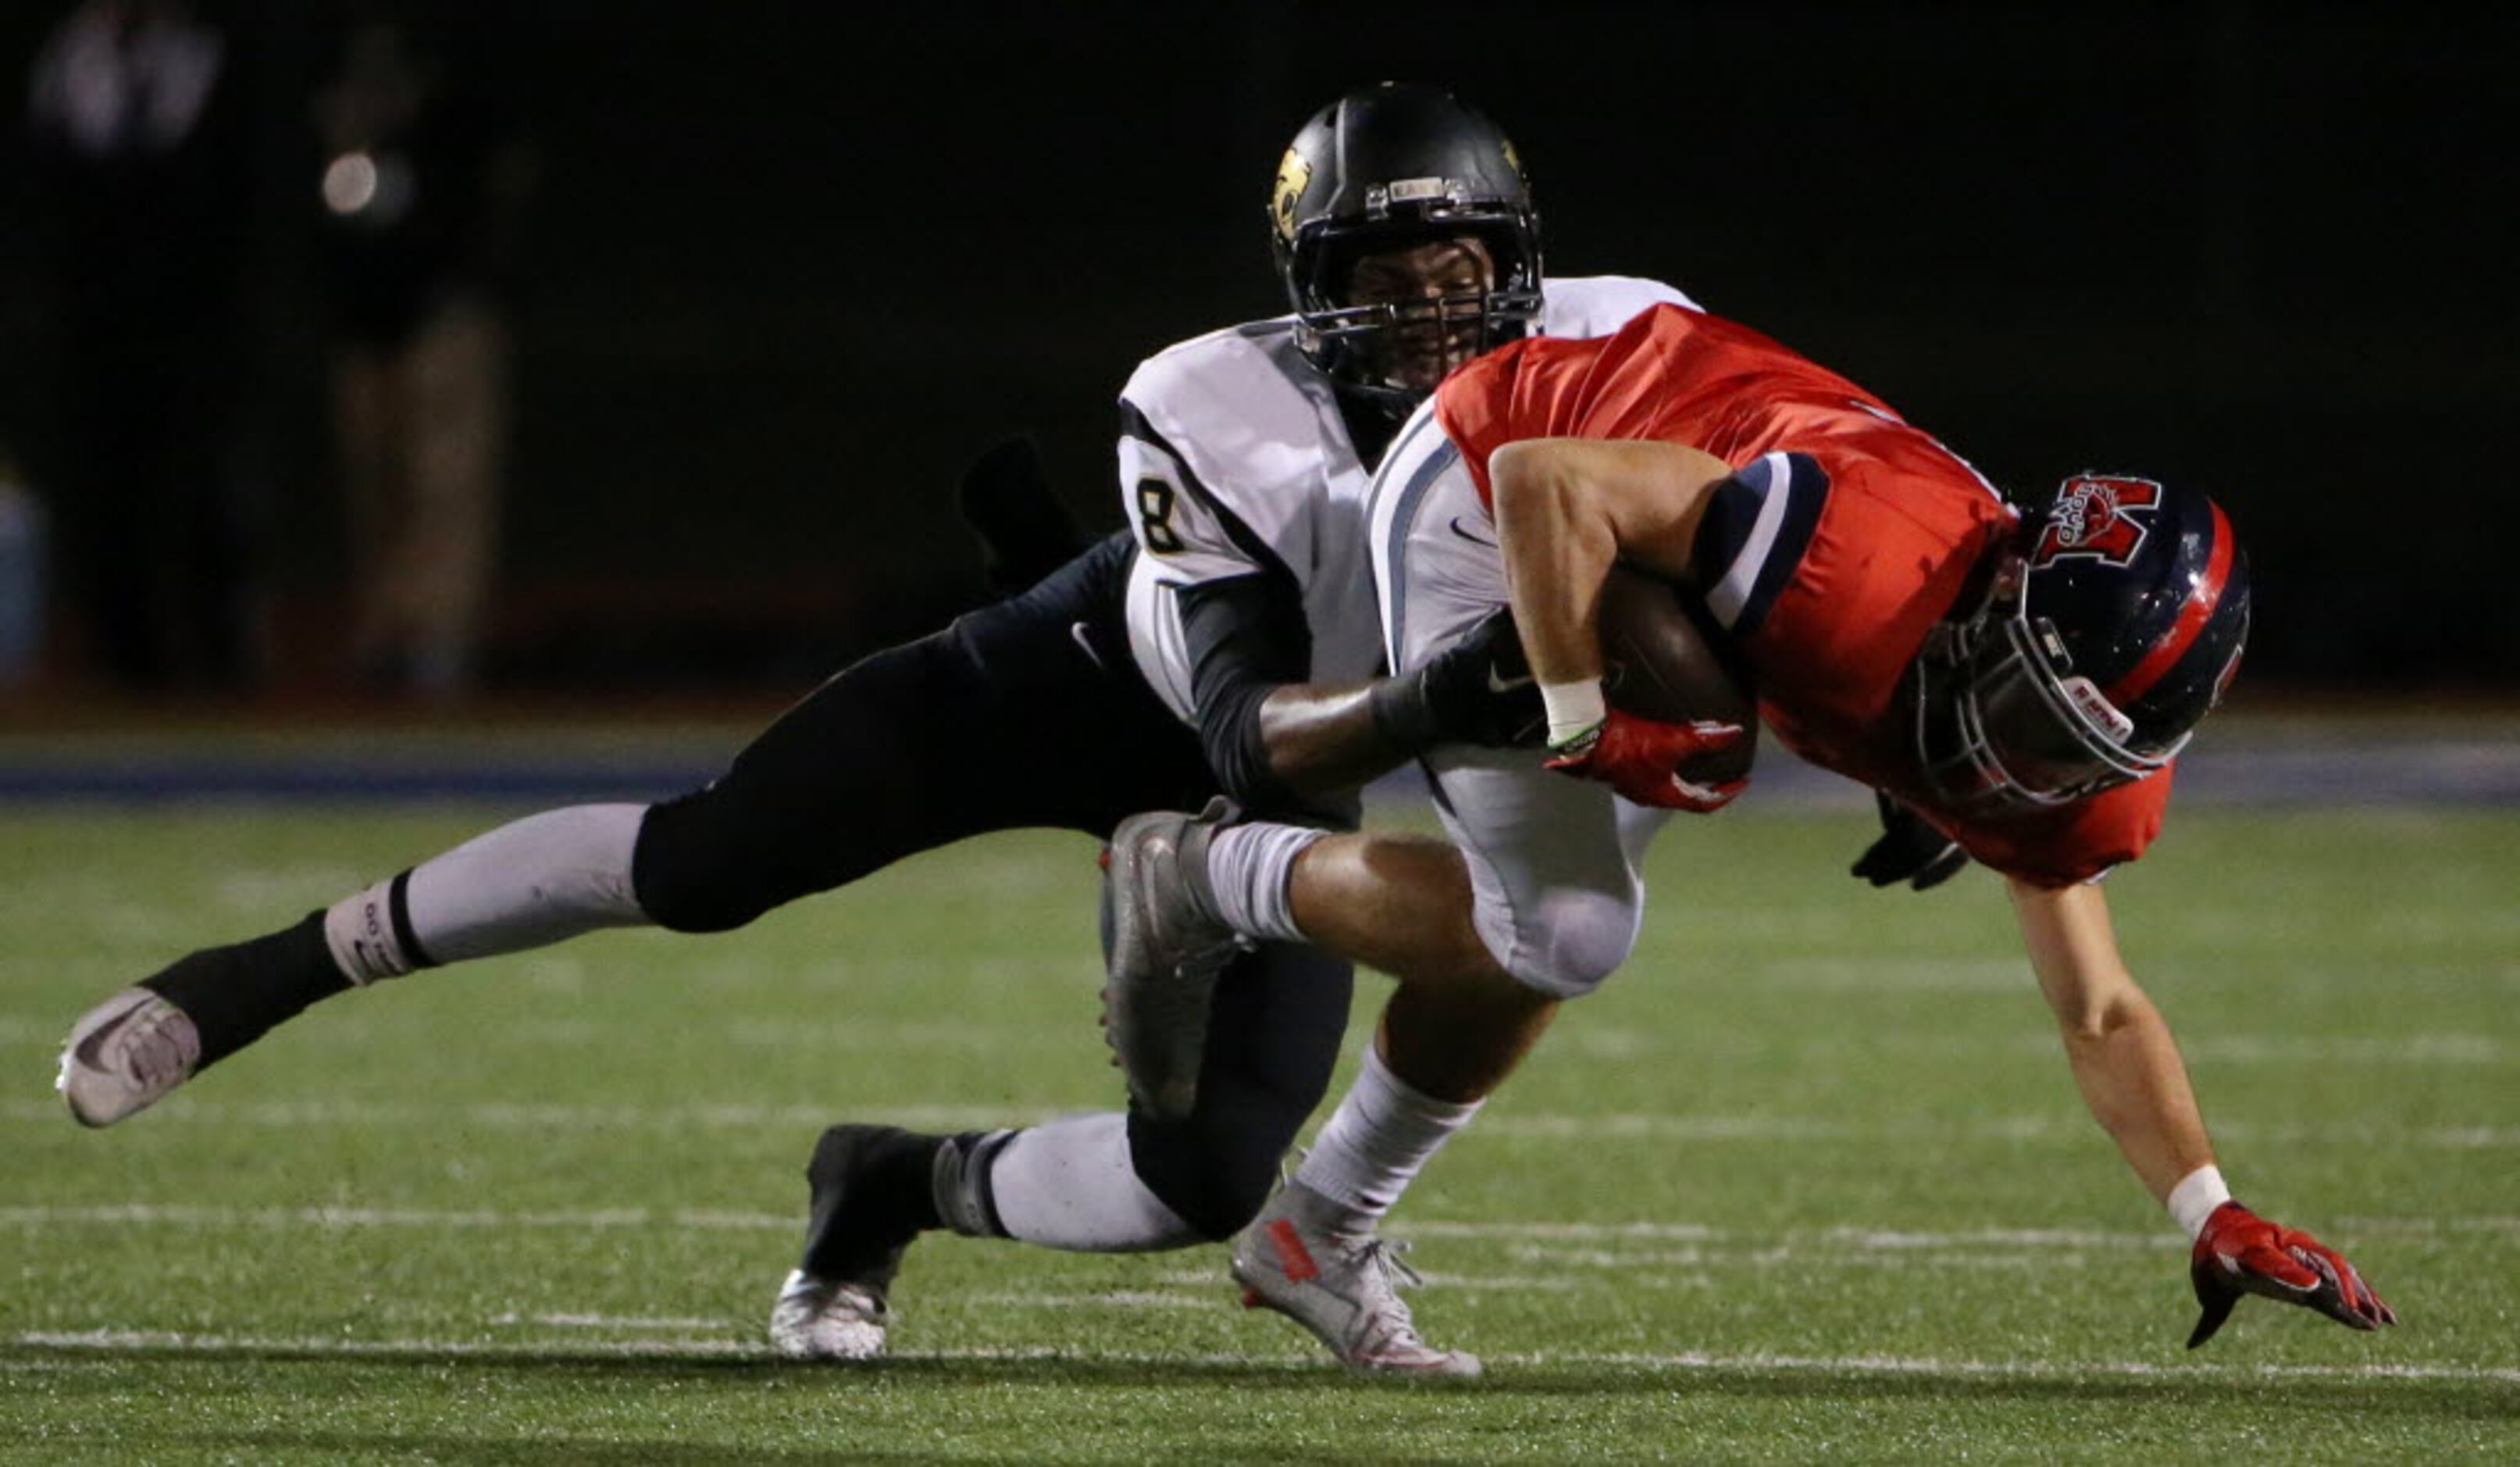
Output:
[[1553, 859]]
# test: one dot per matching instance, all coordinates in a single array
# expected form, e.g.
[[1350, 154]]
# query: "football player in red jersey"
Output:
[[2024, 687]]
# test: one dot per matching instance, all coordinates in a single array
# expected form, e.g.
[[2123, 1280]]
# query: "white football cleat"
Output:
[[1343, 1288], [125, 1055], [818, 1319]]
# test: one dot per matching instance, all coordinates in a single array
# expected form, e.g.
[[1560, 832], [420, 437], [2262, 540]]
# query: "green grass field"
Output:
[[1808, 1181]]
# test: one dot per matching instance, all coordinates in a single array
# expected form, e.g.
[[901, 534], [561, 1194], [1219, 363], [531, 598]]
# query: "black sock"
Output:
[[237, 993], [873, 1193]]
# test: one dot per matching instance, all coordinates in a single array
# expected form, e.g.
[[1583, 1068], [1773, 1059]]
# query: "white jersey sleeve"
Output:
[[1234, 462], [1596, 305]]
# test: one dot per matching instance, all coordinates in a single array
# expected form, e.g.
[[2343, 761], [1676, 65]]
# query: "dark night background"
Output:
[[792, 265]]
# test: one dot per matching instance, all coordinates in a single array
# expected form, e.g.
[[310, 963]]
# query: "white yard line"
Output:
[[1109, 1299], [169, 1341], [107, 1344], [591, 1220], [526, 1116], [2076, 1129], [2027, 1045], [1616, 1240], [630, 1322], [1876, 1364]]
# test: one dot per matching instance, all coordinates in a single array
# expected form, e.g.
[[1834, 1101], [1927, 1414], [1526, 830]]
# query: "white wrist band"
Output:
[[1573, 706], [2195, 1198]]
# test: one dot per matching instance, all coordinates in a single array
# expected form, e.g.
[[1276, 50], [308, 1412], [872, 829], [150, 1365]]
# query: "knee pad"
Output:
[[1571, 939]]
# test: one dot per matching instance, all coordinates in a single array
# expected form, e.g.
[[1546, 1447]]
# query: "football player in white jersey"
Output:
[[1228, 643]]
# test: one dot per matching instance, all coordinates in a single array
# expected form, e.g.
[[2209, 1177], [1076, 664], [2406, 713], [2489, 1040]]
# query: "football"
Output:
[[1664, 659]]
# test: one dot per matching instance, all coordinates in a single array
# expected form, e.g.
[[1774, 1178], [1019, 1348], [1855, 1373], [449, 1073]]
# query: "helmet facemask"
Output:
[[1453, 285], [2004, 721]]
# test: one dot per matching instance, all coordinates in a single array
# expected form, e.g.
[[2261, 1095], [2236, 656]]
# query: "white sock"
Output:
[[1377, 1140], [1070, 1184], [1249, 866], [529, 883]]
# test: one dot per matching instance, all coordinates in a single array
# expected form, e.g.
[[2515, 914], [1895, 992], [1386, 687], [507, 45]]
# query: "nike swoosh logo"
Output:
[[1473, 540], [1498, 684], [1076, 633]]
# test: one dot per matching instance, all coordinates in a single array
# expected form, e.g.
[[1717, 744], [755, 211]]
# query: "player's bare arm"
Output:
[[1323, 739], [2124, 1059], [2132, 1078], [1567, 509]]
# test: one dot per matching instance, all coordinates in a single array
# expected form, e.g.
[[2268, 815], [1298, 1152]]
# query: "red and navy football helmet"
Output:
[[1391, 166], [2112, 624]]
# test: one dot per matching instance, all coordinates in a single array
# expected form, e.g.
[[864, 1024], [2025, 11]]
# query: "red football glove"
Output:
[[2241, 1253], [1641, 758]]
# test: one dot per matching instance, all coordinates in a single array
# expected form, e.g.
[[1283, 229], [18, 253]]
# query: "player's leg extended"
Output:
[[534, 881], [883, 761]]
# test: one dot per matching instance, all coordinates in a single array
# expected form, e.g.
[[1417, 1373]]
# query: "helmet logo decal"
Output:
[[1295, 171], [2098, 516]]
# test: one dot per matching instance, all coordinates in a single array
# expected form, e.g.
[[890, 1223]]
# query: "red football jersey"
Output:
[[1859, 562]]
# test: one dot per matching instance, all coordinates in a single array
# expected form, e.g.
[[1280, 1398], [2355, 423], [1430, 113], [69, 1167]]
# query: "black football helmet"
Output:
[[2112, 624], [1393, 167]]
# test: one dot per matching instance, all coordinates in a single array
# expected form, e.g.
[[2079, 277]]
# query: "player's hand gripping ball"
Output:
[[1663, 659], [1683, 728], [1641, 759]]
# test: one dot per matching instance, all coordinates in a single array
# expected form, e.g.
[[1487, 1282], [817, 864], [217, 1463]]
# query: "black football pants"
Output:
[[1026, 713]]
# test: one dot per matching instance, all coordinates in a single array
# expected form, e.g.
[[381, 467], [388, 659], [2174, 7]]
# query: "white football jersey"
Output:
[[1234, 461]]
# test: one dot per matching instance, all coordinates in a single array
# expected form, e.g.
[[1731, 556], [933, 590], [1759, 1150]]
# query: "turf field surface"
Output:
[[1809, 1178]]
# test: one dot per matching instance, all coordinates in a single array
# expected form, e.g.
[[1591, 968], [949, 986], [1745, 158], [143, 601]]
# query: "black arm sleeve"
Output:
[[1247, 637]]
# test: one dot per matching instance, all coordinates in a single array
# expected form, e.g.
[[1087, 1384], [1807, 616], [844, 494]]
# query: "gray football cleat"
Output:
[[828, 1319], [1164, 948], [1342, 1286], [125, 1055]]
